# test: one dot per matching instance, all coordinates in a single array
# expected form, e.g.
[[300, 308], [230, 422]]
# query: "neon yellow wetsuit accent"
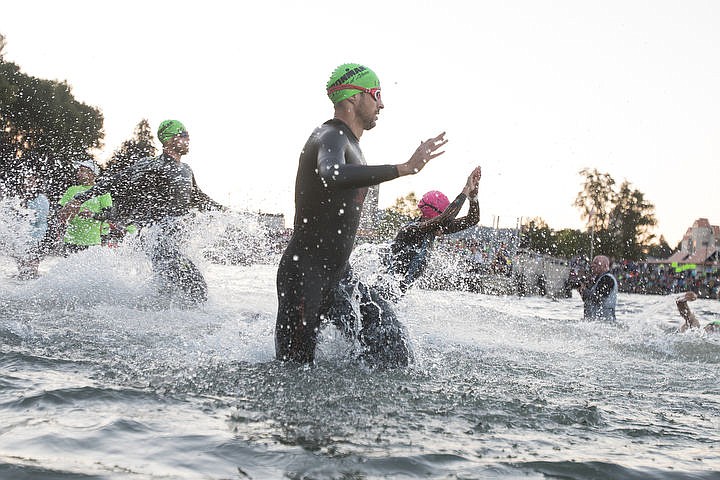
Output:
[[86, 231]]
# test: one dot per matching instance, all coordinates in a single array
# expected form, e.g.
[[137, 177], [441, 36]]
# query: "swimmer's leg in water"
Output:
[[178, 275], [382, 335], [298, 319], [379, 332]]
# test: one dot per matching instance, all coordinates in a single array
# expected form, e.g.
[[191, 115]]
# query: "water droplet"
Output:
[[295, 258]]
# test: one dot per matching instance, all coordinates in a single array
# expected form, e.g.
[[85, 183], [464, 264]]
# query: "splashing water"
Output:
[[100, 379]]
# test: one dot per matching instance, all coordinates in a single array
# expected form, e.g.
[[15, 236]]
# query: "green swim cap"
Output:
[[350, 74], [168, 129]]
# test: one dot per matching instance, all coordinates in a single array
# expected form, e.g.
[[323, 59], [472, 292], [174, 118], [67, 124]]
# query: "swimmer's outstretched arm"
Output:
[[337, 174], [470, 191], [446, 220], [682, 304]]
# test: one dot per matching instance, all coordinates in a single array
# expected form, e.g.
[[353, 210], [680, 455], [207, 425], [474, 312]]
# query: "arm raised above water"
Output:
[[337, 173]]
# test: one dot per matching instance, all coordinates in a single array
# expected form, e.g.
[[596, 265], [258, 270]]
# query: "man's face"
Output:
[[599, 265], [369, 109], [85, 176], [181, 143]]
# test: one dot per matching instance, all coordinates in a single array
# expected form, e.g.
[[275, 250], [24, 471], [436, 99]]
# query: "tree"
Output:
[[619, 223], [595, 199], [571, 243], [631, 220], [661, 249], [401, 212], [140, 145], [537, 236], [43, 129]]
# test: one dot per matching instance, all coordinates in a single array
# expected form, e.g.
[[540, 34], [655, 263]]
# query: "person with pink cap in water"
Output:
[[410, 250]]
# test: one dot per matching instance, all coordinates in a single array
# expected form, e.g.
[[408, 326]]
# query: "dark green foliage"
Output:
[[572, 243], [595, 199], [537, 236], [631, 219], [402, 212], [660, 249], [620, 222], [43, 130], [139, 146]]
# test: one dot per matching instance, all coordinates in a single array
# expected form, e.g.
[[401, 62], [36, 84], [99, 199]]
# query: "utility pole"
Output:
[[592, 232]]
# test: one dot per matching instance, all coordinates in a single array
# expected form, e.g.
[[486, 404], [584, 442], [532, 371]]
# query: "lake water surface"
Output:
[[100, 381]]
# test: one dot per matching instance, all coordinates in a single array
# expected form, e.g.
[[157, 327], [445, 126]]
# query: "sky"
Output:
[[531, 90]]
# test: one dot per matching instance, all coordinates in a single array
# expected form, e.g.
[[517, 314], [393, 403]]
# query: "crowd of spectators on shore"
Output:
[[663, 279]]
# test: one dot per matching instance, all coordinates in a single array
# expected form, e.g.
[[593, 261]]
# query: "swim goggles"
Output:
[[425, 204], [375, 92]]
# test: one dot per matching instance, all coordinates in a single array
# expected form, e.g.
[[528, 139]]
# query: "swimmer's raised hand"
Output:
[[473, 183], [423, 154], [688, 297]]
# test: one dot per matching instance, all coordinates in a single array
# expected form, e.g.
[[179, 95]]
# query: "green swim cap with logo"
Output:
[[168, 129], [350, 74]]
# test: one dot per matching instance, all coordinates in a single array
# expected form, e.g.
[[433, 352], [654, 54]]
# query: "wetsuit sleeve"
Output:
[[202, 201], [104, 185], [336, 173], [472, 218]]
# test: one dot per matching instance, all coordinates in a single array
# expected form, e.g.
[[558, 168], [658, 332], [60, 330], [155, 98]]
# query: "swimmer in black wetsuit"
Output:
[[157, 192], [331, 184], [600, 294], [410, 251]]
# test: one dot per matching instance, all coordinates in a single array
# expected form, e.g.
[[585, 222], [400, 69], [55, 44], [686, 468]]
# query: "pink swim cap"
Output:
[[433, 203]]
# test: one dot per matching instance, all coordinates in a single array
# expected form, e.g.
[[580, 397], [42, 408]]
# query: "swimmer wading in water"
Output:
[[330, 188], [154, 193]]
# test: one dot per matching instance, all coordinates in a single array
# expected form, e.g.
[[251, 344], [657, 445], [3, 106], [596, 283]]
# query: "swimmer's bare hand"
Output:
[[688, 297], [423, 154], [473, 183]]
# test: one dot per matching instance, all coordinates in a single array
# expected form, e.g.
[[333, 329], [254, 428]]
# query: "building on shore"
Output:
[[699, 246]]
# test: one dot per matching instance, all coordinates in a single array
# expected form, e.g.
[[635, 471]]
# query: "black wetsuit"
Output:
[[410, 250], [313, 278], [601, 298], [157, 192]]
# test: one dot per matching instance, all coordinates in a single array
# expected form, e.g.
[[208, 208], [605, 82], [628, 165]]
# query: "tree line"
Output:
[[619, 223], [44, 131]]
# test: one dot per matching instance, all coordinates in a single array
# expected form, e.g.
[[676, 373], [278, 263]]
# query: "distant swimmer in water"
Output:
[[411, 248], [331, 185], [155, 194], [690, 320], [36, 210], [600, 296]]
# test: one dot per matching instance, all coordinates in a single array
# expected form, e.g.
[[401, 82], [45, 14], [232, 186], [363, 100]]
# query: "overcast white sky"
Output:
[[531, 90]]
